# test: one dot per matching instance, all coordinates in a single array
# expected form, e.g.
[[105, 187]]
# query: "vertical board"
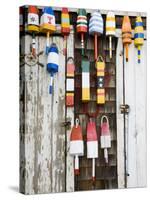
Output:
[[120, 122], [69, 116]]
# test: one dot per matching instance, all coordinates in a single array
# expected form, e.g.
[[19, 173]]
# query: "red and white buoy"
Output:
[[105, 138], [92, 145], [76, 145]]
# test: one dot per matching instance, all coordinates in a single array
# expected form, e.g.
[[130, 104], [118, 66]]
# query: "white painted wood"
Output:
[[70, 115], [120, 123]]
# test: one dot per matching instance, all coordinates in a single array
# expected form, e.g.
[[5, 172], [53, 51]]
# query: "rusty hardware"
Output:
[[124, 108], [66, 124]]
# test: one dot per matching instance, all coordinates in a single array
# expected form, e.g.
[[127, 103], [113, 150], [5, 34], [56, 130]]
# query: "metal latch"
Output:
[[66, 123], [125, 108]]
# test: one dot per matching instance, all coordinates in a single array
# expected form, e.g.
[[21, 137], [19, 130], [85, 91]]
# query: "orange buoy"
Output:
[[76, 145], [126, 35]]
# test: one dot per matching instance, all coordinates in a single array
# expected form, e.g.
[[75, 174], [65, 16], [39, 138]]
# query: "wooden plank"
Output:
[[70, 115], [120, 123]]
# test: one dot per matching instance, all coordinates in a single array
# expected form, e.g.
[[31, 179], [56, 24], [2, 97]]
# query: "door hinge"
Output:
[[125, 108]]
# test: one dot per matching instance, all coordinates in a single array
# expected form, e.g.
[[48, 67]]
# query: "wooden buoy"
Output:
[[47, 24], [70, 82], [76, 145], [105, 138], [110, 29], [92, 145], [96, 28], [139, 36], [100, 66], [65, 27], [82, 26], [33, 25], [52, 63], [85, 65], [126, 35]]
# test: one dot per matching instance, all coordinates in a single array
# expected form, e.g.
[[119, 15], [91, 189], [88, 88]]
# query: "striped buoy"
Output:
[[92, 145], [85, 65], [139, 36], [105, 138], [47, 24], [76, 145], [96, 28], [82, 26], [21, 23], [52, 63], [100, 66], [33, 25], [70, 82], [110, 29], [126, 34], [65, 27]]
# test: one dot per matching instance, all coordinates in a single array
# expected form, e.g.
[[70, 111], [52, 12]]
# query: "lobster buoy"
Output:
[[92, 145], [52, 63], [76, 145], [105, 138], [139, 36], [47, 24], [110, 29], [82, 26], [126, 34], [65, 27], [33, 25], [96, 28]]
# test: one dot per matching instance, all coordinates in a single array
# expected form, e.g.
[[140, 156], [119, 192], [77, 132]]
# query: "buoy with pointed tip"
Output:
[[82, 26], [52, 63], [65, 27], [47, 24], [96, 28], [126, 35], [92, 145], [33, 25], [139, 36], [76, 145], [105, 138], [110, 29]]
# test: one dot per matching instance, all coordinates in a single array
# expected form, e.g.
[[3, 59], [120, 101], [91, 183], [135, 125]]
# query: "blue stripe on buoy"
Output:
[[51, 67], [48, 10], [139, 35], [50, 89], [138, 23], [139, 52]]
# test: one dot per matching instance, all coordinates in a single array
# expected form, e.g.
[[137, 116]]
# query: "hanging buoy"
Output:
[[126, 35], [65, 27], [96, 29], [100, 66], [92, 145], [47, 24], [82, 26], [21, 23], [52, 63], [76, 145], [110, 29], [139, 36], [70, 82], [33, 25], [105, 138], [85, 65]]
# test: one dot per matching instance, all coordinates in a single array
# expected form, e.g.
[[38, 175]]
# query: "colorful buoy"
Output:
[[52, 63], [33, 25], [139, 36], [70, 82], [100, 66], [76, 145], [92, 145], [65, 27], [105, 138], [85, 65], [110, 29], [96, 28], [82, 26], [126, 34], [47, 24]]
